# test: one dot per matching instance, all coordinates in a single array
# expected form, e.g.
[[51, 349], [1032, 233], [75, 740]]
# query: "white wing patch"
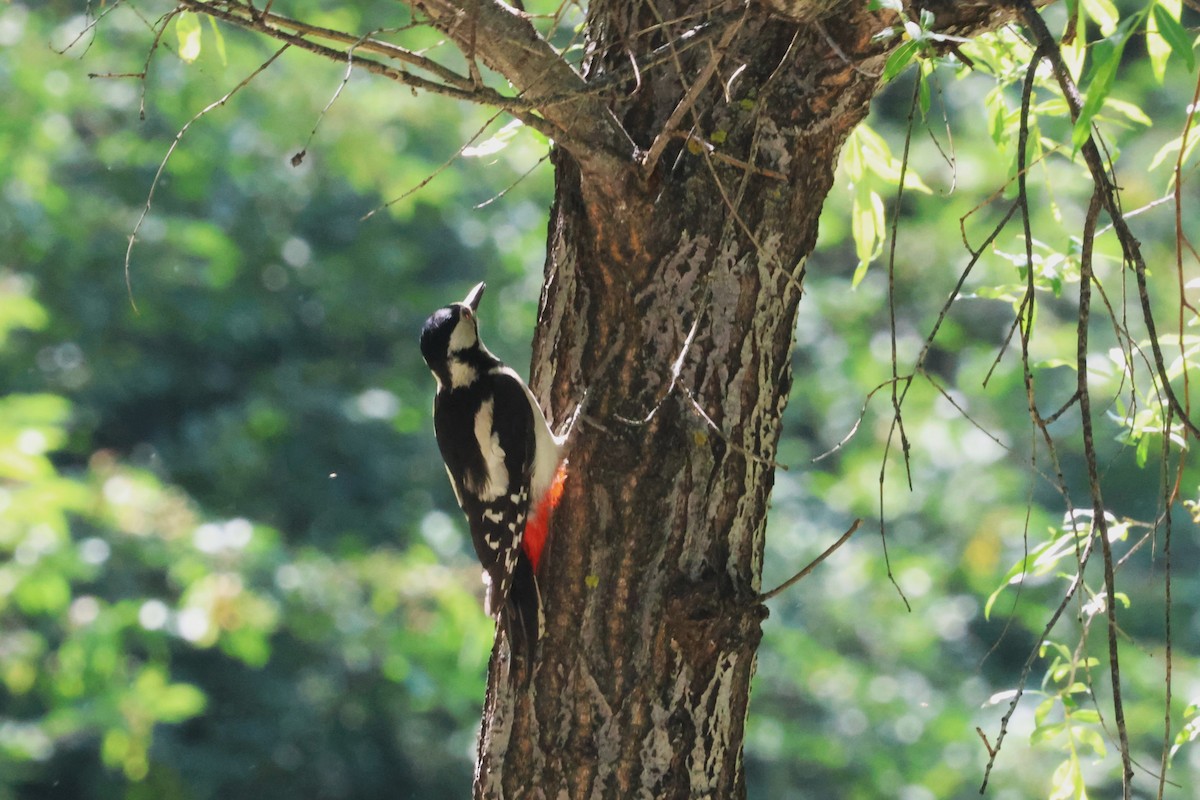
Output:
[[547, 454], [496, 481]]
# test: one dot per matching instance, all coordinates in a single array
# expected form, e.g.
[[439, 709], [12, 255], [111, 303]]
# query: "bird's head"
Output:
[[450, 334]]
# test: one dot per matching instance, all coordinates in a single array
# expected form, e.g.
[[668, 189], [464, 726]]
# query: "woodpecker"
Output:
[[503, 461]]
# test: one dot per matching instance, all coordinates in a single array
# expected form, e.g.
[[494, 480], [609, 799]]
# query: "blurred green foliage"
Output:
[[230, 565]]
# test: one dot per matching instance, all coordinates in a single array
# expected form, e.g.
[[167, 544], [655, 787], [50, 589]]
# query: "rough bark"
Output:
[[670, 300]]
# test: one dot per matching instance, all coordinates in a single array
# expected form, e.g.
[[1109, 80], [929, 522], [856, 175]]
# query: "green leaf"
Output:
[[1067, 781], [1130, 111], [496, 143], [1106, 57], [1104, 14], [866, 225], [1174, 33], [1074, 48], [1090, 737], [219, 38], [877, 158], [1173, 147], [997, 116], [853, 158], [1042, 711], [1143, 451], [1157, 48], [177, 702], [899, 59], [187, 30], [1045, 732], [1016, 574]]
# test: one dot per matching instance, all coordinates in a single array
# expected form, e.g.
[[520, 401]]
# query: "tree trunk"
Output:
[[672, 284], [669, 308]]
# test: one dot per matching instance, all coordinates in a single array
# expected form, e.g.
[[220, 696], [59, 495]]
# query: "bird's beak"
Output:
[[472, 299]]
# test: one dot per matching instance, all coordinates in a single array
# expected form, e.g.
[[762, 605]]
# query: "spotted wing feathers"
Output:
[[493, 462]]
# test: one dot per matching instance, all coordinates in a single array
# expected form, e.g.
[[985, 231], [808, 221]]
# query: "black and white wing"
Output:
[[493, 462]]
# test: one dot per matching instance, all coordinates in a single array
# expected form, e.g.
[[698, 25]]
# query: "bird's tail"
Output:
[[522, 617]]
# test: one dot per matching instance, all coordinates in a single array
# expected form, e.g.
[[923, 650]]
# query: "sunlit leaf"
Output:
[[495, 143], [1067, 781], [219, 38], [187, 31], [1175, 35], [1106, 57], [18, 310], [867, 221], [1104, 14], [1128, 110]]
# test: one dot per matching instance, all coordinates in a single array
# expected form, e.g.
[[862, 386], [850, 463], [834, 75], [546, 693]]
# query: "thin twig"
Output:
[[685, 104], [711, 149], [512, 185], [897, 416], [299, 157], [1168, 501], [243, 15], [1098, 516], [724, 437], [1027, 667], [455, 87], [92, 22], [429, 178], [1109, 198], [816, 562], [163, 165]]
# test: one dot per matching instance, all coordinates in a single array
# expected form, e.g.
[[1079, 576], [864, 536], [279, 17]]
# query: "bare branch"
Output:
[[816, 562], [688, 100], [429, 178], [506, 41], [1027, 667], [457, 87], [1089, 447], [163, 165], [246, 16], [1108, 197]]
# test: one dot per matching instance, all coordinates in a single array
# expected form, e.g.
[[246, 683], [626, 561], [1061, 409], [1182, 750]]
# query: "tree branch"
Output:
[[457, 86], [554, 99], [1108, 197], [246, 16], [816, 562], [1098, 518], [508, 43]]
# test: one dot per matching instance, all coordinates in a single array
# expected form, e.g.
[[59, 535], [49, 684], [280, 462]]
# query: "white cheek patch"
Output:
[[493, 454], [464, 335]]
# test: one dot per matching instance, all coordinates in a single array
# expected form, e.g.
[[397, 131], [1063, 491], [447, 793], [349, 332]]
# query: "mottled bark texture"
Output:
[[669, 305]]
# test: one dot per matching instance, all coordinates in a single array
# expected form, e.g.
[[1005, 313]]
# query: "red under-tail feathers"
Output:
[[538, 528]]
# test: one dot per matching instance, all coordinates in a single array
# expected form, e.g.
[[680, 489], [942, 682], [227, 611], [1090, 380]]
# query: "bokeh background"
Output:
[[231, 565]]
